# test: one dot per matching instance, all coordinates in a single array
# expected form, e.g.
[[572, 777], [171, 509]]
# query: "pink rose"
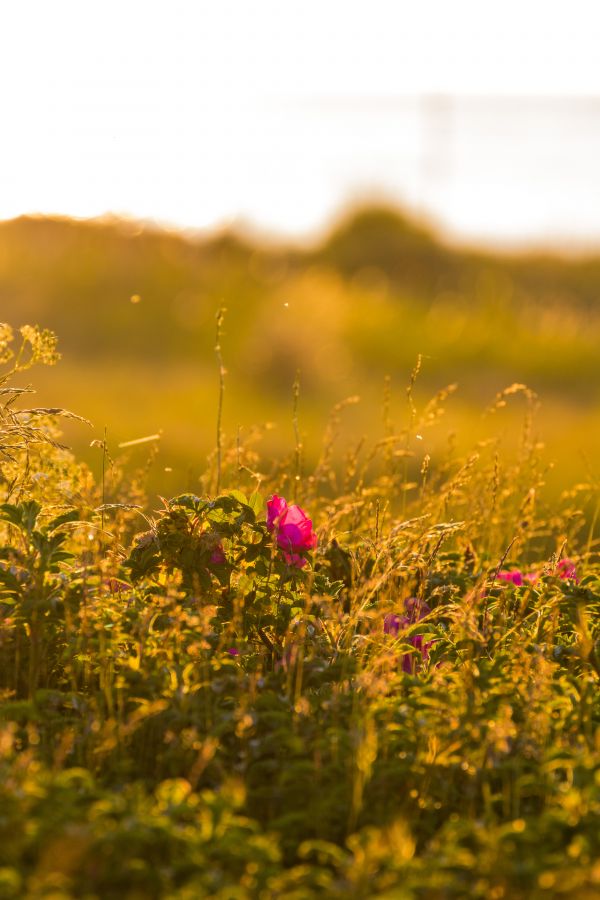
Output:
[[276, 508], [514, 576], [293, 528], [566, 570], [294, 559]]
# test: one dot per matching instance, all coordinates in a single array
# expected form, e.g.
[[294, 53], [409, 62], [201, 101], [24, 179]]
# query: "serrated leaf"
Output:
[[189, 501]]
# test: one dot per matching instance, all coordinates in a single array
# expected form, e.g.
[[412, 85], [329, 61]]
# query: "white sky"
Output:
[[195, 112]]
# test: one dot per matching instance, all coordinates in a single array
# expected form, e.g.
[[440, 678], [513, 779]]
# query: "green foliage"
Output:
[[183, 713], [226, 556]]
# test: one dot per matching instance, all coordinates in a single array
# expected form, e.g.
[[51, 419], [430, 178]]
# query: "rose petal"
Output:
[[276, 507]]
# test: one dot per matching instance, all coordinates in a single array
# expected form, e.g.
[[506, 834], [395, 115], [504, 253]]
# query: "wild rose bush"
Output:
[[565, 570], [227, 542], [221, 705], [292, 528]]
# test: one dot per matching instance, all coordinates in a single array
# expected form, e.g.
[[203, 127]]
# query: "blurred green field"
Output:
[[134, 308]]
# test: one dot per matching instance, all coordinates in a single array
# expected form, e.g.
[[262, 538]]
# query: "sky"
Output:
[[198, 113]]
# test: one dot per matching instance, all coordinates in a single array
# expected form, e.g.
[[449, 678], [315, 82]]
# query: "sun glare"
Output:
[[196, 114]]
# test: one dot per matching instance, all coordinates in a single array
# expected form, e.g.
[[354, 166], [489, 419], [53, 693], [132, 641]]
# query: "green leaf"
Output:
[[239, 496], [189, 501], [22, 515], [9, 512], [70, 516], [30, 510], [257, 503], [10, 586]]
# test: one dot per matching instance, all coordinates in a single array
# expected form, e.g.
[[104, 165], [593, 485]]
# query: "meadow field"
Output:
[[303, 644], [348, 316]]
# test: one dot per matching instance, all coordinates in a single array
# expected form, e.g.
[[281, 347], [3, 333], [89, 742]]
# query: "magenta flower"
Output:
[[276, 507], [514, 576], [566, 570], [233, 651], [294, 559], [293, 528], [217, 557], [393, 623], [415, 610]]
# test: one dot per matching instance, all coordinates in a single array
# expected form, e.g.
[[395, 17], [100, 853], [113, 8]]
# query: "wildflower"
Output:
[[217, 557], [233, 651], [293, 528], [276, 508], [294, 559], [566, 570], [415, 610], [514, 576]]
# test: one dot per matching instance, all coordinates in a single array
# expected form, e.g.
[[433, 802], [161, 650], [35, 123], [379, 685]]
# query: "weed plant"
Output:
[[187, 709]]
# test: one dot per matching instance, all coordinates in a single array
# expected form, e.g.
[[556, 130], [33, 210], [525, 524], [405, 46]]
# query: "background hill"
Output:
[[134, 308]]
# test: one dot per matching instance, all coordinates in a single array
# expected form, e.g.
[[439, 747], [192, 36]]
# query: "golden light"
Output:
[[197, 113]]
